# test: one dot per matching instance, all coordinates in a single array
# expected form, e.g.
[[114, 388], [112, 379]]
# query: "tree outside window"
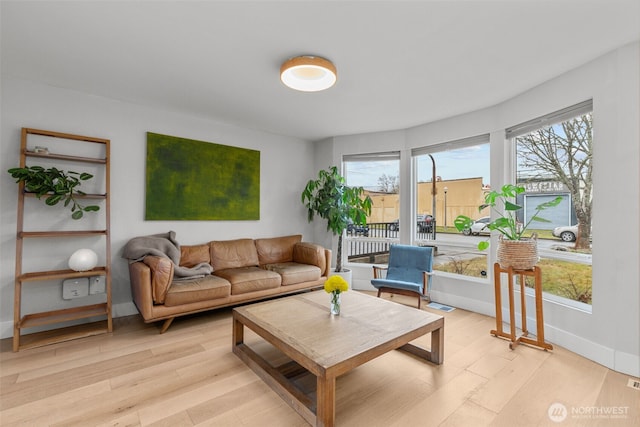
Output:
[[562, 153], [557, 159]]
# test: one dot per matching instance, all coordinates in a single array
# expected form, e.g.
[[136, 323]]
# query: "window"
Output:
[[379, 175], [451, 180], [554, 158]]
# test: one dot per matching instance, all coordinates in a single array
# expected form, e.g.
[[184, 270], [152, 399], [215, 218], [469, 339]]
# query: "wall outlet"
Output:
[[75, 288], [96, 285]]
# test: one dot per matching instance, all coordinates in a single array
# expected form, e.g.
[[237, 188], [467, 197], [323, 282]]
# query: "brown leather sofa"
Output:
[[243, 270]]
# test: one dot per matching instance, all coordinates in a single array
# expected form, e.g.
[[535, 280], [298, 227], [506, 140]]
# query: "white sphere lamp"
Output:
[[83, 260]]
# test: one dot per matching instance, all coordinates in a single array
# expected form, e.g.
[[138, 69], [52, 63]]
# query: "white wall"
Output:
[[26, 104], [610, 334]]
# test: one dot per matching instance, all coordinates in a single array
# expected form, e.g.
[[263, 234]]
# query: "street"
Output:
[[461, 246]]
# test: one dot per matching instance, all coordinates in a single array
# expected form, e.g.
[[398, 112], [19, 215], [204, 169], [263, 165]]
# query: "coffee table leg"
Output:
[[238, 332], [326, 401], [437, 346]]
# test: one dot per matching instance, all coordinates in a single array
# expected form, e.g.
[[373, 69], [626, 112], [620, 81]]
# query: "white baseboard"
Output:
[[627, 363], [124, 309], [616, 360], [470, 304], [6, 329]]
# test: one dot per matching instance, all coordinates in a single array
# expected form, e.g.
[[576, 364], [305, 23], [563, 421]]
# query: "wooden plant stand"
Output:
[[511, 336]]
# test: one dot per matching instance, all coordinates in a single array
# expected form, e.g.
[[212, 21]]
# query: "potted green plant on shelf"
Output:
[[330, 198], [514, 248], [56, 184]]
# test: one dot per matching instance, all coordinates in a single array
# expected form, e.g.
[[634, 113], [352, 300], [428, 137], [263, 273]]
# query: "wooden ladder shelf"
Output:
[[60, 316]]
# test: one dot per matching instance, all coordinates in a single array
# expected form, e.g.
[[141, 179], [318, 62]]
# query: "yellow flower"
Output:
[[336, 284]]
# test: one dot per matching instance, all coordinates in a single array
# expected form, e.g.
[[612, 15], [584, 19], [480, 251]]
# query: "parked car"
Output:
[[567, 233], [357, 229], [479, 226], [423, 223]]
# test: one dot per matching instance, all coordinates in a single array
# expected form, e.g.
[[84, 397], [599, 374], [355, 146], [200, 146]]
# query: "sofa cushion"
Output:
[[249, 279], [293, 273], [233, 254], [194, 290], [276, 249], [190, 256], [310, 253]]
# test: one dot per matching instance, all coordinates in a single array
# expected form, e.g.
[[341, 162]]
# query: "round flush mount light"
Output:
[[308, 73]]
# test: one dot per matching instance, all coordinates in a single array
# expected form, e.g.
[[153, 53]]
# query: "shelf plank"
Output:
[[61, 274], [63, 315], [70, 233], [64, 135], [77, 196], [53, 336], [66, 157]]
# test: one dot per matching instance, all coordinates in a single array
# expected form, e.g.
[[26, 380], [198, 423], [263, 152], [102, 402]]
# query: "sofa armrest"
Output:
[[313, 254], [161, 276], [140, 278], [327, 255]]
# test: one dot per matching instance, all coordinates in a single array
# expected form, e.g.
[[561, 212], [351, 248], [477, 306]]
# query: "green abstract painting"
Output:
[[198, 180]]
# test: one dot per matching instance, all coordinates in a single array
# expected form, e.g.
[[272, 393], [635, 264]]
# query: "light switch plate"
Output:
[[96, 285], [75, 288]]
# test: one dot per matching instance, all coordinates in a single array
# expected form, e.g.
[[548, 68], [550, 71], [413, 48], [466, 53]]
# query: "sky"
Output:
[[468, 162]]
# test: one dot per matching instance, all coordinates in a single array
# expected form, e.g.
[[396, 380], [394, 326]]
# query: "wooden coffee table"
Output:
[[328, 346]]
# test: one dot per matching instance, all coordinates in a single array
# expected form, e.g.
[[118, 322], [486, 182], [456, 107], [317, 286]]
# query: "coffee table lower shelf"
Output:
[[280, 381]]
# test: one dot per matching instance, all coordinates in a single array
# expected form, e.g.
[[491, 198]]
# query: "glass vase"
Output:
[[335, 303]]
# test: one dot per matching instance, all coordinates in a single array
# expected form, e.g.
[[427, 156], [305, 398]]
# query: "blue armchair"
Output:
[[409, 272]]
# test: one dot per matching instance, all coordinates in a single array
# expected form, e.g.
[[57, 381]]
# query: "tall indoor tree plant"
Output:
[[330, 198]]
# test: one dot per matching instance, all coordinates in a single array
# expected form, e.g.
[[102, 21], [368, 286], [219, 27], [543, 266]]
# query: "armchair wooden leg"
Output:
[[166, 325], [379, 293]]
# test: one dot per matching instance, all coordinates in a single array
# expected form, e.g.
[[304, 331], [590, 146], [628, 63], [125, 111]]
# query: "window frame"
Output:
[[529, 126]]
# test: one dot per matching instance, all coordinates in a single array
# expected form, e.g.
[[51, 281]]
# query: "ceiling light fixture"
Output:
[[308, 73]]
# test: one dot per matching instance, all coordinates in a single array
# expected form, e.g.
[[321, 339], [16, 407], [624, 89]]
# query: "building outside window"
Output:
[[451, 180]]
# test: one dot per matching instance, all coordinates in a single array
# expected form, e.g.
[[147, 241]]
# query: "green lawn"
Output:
[[562, 278], [542, 234]]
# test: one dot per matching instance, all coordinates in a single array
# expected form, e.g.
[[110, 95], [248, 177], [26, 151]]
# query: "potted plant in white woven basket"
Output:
[[514, 249]]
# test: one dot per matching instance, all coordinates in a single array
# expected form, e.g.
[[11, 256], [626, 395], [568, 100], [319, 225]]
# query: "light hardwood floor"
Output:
[[188, 377]]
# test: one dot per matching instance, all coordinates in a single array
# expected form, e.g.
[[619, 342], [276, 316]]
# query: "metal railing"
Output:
[[369, 243]]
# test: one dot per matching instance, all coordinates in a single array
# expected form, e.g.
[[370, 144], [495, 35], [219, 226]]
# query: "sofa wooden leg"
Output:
[[166, 325]]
